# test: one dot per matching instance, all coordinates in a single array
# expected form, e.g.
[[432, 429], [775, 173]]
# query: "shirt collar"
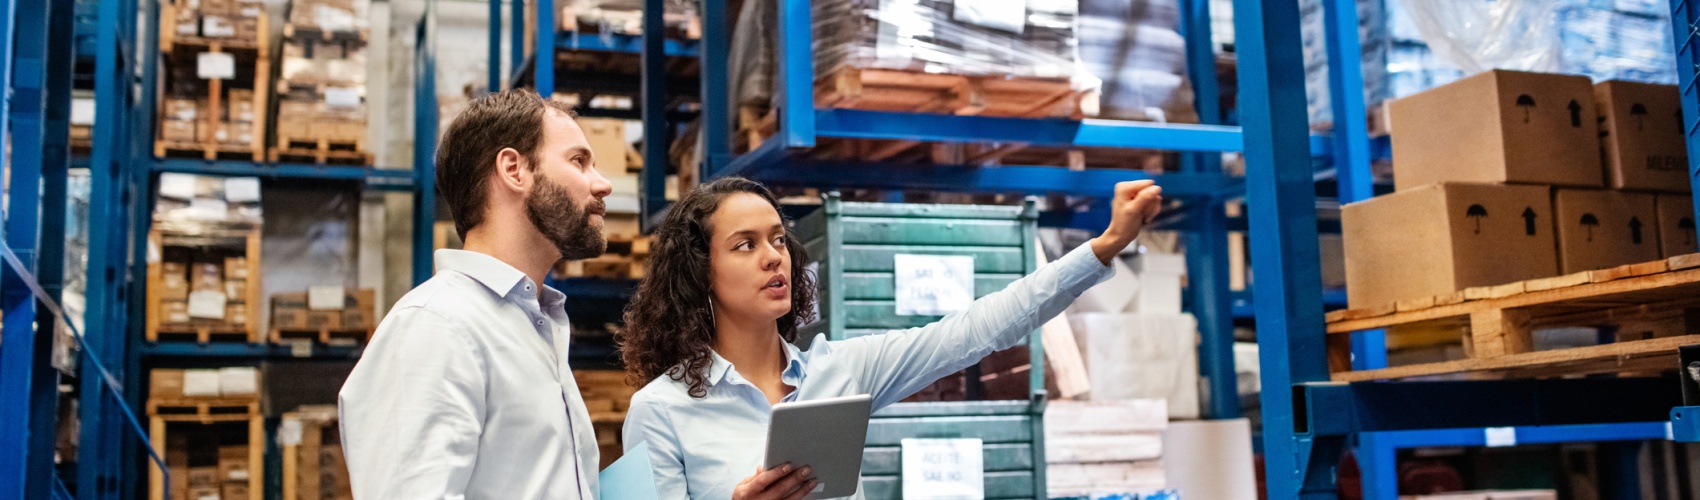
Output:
[[494, 274], [792, 376]]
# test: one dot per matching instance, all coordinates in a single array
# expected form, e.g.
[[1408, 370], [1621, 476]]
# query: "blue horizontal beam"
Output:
[[1041, 132], [1244, 307], [377, 178], [244, 350], [1027, 180], [615, 42], [580, 288], [1543, 434], [1334, 409]]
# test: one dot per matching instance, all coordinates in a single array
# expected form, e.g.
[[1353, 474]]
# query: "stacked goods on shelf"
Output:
[[321, 87], [1133, 46], [1372, 35], [1133, 340], [203, 283], [203, 460], [1501, 189], [314, 467], [82, 120], [325, 314], [1093, 449], [216, 52], [607, 397], [623, 17]]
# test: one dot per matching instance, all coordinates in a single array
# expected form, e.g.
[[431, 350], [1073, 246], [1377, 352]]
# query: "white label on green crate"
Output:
[[934, 285], [215, 66], [1500, 436], [943, 469]]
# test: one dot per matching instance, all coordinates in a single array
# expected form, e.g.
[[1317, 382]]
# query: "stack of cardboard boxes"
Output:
[[227, 479], [309, 436], [325, 308], [322, 86], [188, 113], [1507, 176], [220, 19], [204, 291], [206, 230], [229, 383]]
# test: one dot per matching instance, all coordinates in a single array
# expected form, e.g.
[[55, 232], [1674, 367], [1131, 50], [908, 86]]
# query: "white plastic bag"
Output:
[[1479, 35]]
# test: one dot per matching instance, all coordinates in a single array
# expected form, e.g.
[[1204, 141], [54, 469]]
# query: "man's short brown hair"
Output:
[[467, 153]]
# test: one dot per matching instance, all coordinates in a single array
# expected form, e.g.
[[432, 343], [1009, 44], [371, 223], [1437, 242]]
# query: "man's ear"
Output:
[[512, 173]]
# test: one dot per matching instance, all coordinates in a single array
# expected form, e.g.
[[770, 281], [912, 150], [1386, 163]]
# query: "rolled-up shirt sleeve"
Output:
[[897, 364], [412, 410]]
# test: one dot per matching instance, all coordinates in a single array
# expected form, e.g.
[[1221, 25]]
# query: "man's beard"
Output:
[[565, 223]]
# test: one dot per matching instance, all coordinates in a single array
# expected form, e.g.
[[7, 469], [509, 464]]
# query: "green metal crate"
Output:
[[853, 246]]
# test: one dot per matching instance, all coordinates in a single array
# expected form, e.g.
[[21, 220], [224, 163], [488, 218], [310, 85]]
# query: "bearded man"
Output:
[[464, 391]]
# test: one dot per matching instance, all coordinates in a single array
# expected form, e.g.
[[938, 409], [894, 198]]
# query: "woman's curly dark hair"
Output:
[[669, 322]]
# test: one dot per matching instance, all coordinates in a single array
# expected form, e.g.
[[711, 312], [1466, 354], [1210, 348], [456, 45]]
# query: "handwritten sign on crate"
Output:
[[933, 285], [943, 469]]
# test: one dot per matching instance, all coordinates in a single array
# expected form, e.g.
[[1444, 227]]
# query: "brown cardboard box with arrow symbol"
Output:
[[1641, 136], [1598, 229], [1442, 238], [1676, 225], [1498, 127]]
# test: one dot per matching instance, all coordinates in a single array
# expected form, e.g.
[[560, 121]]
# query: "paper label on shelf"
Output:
[[207, 304], [342, 97], [242, 189], [179, 186], [200, 383], [301, 349], [208, 209], [215, 66], [82, 111], [934, 285], [943, 469], [1500, 436], [1007, 15], [289, 432], [238, 475], [325, 298]]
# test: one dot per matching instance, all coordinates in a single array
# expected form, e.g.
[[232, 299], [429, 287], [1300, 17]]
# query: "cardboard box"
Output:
[[324, 319], [289, 310], [1676, 225], [366, 299], [216, 26], [203, 476], [178, 131], [237, 290], [206, 276], [1641, 136], [1598, 229], [173, 281], [238, 381], [234, 491], [1499, 127], [173, 311], [1442, 238], [165, 383], [236, 268], [236, 314], [181, 109], [203, 493], [356, 319], [607, 143], [179, 473], [241, 105], [233, 463]]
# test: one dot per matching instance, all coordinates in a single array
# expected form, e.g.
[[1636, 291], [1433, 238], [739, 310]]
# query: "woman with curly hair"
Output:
[[709, 336]]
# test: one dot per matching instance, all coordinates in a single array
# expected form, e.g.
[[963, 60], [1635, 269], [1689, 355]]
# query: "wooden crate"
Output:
[[313, 464], [205, 412], [156, 329], [251, 53], [1652, 305], [606, 397]]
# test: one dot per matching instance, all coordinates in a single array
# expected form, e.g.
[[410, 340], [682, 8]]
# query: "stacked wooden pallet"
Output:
[[347, 317], [215, 53], [1651, 306], [192, 404], [206, 286], [321, 86], [314, 467]]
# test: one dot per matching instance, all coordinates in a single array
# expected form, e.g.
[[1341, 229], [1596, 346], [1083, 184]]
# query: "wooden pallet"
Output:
[[202, 334], [209, 411], [1654, 306], [206, 151], [204, 410], [156, 330], [321, 151], [624, 259], [919, 92], [327, 336]]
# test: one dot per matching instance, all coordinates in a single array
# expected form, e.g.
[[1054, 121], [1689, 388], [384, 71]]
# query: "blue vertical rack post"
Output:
[[425, 141], [1207, 247]]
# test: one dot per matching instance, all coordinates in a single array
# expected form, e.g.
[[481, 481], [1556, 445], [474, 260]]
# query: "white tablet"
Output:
[[824, 434]]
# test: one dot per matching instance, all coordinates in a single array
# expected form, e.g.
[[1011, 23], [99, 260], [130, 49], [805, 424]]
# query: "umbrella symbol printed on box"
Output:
[[1526, 102], [1476, 212], [1640, 113], [1591, 222]]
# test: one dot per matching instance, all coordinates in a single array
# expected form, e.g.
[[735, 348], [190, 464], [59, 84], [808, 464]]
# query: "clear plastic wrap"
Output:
[[1479, 35], [1134, 48], [1372, 35], [927, 36]]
